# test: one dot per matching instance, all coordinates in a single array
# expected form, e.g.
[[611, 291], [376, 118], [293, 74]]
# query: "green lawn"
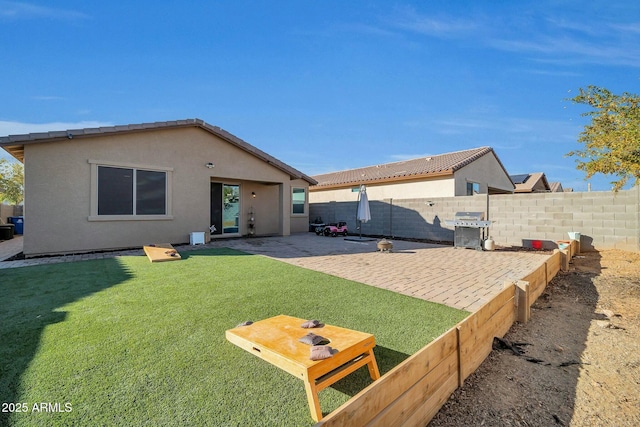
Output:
[[126, 342]]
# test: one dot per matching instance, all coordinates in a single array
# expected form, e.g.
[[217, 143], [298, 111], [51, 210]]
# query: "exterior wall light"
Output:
[[210, 165]]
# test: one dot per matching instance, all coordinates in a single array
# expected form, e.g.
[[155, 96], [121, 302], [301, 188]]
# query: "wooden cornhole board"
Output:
[[161, 252], [276, 341]]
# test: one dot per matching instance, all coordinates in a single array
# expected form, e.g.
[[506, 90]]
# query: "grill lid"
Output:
[[469, 216], [468, 219]]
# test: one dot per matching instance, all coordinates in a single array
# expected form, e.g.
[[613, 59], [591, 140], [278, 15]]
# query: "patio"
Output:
[[460, 278]]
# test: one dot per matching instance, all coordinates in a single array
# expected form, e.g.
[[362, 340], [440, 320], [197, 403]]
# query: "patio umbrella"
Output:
[[364, 214]]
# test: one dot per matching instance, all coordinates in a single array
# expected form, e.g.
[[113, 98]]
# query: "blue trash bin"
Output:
[[18, 221]]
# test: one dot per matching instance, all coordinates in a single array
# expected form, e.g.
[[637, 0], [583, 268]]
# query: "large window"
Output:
[[298, 199], [131, 191]]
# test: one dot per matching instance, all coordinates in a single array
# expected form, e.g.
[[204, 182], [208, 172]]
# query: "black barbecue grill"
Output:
[[470, 229]]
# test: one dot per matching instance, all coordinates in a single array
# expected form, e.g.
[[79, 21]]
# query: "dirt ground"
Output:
[[579, 363]]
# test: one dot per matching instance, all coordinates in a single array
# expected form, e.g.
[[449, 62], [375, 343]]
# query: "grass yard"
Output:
[[126, 342]]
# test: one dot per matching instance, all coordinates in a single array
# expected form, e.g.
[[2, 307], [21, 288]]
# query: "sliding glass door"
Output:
[[225, 209]]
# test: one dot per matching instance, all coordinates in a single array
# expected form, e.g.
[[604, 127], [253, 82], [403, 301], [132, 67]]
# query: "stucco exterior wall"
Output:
[[58, 186], [299, 222], [487, 172], [434, 187]]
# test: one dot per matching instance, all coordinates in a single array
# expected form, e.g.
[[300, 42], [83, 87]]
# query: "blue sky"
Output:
[[327, 85]]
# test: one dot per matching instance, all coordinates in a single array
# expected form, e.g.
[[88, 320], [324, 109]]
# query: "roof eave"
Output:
[[14, 144], [406, 178]]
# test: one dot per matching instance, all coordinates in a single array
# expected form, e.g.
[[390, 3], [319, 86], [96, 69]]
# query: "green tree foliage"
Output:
[[612, 139], [11, 182]]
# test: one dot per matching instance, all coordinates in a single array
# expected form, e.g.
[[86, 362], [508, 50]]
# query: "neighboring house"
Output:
[[556, 187], [531, 183], [461, 173], [127, 186]]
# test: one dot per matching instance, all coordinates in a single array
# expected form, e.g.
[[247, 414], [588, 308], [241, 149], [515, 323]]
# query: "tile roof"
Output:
[[14, 144], [556, 187], [438, 165], [531, 183]]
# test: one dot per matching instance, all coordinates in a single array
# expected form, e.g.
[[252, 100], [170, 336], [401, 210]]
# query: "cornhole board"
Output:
[[276, 341], [161, 252]]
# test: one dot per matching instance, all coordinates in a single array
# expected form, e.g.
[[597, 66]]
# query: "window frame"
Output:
[[94, 216], [472, 185], [304, 202]]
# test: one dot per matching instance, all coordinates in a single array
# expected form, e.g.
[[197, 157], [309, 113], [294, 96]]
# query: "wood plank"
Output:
[[523, 307], [537, 282], [161, 252], [361, 408], [476, 340], [344, 370], [575, 247], [426, 412], [421, 394], [497, 325], [477, 320], [553, 265], [564, 260], [489, 308]]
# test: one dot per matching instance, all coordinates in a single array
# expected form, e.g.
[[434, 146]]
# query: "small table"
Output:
[[276, 341]]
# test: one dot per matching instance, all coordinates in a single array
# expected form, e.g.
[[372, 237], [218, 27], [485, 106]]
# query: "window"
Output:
[[131, 191], [473, 188], [298, 199]]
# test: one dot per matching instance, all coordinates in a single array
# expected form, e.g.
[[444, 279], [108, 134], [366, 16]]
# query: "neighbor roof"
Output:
[[556, 187], [423, 167], [530, 183], [14, 144]]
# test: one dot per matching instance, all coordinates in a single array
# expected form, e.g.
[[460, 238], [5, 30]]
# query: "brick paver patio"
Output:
[[460, 278]]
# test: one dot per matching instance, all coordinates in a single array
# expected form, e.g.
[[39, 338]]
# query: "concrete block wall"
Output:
[[606, 220]]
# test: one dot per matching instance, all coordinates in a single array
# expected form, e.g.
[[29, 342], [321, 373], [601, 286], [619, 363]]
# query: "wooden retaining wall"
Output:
[[413, 392]]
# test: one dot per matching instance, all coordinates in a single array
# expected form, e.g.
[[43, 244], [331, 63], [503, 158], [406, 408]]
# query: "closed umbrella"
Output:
[[364, 214]]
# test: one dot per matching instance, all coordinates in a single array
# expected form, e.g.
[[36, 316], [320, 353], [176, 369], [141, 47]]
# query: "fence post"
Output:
[[523, 313], [564, 260], [459, 351]]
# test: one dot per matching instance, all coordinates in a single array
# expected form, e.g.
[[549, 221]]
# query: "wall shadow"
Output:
[[186, 253], [387, 220], [31, 300]]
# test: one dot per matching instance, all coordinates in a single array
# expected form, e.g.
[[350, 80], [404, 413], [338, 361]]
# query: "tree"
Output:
[[612, 139], [11, 182]]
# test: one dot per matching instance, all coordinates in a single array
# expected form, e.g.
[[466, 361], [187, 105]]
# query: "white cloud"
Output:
[[47, 98], [19, 128], [441, 26], [21, 10], [564, 49]]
